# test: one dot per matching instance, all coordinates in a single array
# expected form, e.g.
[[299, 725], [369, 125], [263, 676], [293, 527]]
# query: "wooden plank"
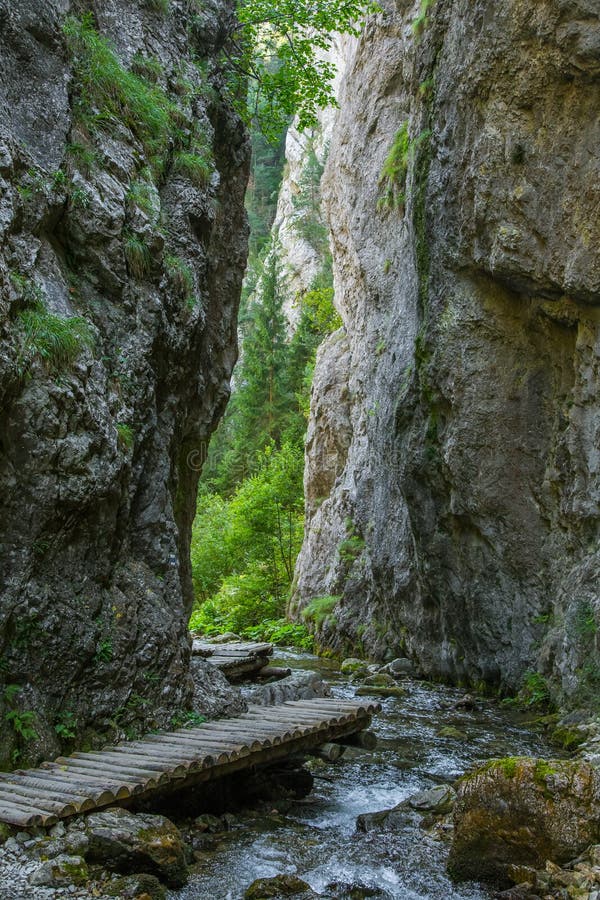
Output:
[[25, 816], [16, 788], [118, 760], [67, 787], [229, 736], [121, 788], [108, 769], [61, 808], [168, 756], [235, 741]]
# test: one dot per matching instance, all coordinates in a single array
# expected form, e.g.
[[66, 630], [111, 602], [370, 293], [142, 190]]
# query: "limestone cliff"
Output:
[[453, 470], [122, 248]]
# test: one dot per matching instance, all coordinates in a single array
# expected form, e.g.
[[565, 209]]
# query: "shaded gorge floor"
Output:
[[422, 741]]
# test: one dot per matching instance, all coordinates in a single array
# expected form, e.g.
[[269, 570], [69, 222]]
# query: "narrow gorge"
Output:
[[300, 392]]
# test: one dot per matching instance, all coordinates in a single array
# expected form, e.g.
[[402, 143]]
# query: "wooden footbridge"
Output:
[[127, 772], [237, 659]]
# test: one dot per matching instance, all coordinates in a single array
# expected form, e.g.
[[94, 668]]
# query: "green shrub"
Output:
[[161, 6], [194, 166], [137, 254], [283, 633], [320, 609], [142, 195], [422, 20], [108, 91], [125, 435], [352, 547], [392, 180], [57, 342], [148, 67]]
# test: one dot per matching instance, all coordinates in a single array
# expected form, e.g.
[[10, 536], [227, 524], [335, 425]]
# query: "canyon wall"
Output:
[[122, 248], [453, 456]]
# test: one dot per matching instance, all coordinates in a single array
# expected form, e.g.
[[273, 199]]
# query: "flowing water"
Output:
[[317, 838]]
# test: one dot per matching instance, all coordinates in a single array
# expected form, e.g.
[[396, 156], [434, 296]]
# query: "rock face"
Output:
[[122, 248], [523, 812], [125, 842], [453, 473]]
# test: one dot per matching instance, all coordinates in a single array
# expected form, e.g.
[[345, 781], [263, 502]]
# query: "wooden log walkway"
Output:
[[236, 659], [132, 770]]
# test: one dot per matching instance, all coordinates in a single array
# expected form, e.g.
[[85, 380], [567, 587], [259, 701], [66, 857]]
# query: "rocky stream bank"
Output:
[[379, 822]]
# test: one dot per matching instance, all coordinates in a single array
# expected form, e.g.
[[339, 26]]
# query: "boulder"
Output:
[[399, 666], [60, 872], [353, 666], [386, 819], [134, 887], [126, 842], [523, 812], [279, 886], [368, 690], [380, 679], [439, 800]]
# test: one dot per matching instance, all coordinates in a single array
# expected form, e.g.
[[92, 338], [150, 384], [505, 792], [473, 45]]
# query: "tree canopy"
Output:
[[282, 48]]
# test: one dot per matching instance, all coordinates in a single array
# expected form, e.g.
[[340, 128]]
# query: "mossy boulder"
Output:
[[369, 690], [124, 842], [353, 666], [61, 871], [132, 887], [522, 812]]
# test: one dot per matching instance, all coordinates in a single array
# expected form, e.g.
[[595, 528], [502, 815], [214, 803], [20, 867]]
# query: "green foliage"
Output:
[[125, 435], [59, 179], [422, 20], [244, 548], [148, 67], [187, 718], [194, 166], [141, 194], [320, 609], [263, 188], [84, 156], [21, 721], [352, 547], [66, 725], [182, 279], [535, 690], [392, 180], [57, 342], [279, 46], [308, 221], [161, 6], [137, 254], [585, 620], [104, 650], [282, 633], [107, 91]]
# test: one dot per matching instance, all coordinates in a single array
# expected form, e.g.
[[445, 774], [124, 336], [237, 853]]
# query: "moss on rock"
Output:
[[523, 812]]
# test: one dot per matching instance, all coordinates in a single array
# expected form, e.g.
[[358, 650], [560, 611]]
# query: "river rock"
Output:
[[128, 842], [134, 887], [375, 691], [354, 666], [523, 812], [213, 695], [278, 886], [356, 890], [297, 686], [398, 667], [385, 819], [61, 872], [439, 799], [380, 679]]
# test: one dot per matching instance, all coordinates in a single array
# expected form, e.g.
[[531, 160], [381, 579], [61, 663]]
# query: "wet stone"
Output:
[[279, 886]]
